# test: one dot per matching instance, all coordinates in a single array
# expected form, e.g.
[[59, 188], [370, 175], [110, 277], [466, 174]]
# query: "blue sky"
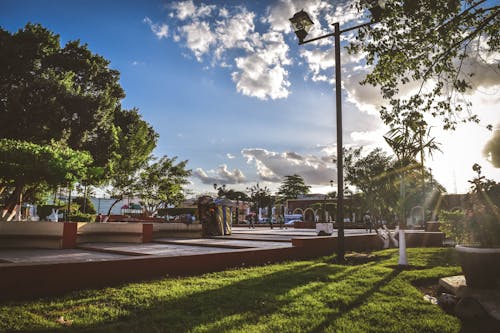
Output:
[[227, 88]]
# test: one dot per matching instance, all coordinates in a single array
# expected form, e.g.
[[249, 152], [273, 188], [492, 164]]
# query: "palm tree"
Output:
[[407, 141]]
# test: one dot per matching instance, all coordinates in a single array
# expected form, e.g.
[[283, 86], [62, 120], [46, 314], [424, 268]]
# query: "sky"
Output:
[[227, 88]]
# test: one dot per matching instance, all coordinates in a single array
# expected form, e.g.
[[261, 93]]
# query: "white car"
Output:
[[292, 222]]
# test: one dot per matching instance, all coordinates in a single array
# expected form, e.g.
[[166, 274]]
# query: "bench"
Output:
[[115, 232], [46, 235]]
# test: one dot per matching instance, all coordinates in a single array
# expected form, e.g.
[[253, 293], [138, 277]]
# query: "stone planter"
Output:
[[324, 228], [481, 266]]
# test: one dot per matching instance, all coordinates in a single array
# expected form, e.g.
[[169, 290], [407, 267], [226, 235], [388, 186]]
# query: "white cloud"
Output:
[[160, 30], [187, 9], [230, 156], [199, 37], [226, 38], [274, 166], [262, 74], [220, 175]]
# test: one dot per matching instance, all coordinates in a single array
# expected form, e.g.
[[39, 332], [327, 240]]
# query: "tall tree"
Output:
[[438, 47], [407, 142], [136, 141], [161, 184], [291, 187], [69, 95], [49, 92]]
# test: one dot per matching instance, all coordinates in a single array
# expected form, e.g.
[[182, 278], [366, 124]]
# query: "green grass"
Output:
[[303, 296]]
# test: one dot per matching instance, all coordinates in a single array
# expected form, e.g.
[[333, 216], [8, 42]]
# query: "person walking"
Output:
[[252, 220], [281, 222], [368, 222]]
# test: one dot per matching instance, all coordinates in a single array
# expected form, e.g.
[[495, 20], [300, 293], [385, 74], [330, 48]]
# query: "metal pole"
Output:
[[340, 153]]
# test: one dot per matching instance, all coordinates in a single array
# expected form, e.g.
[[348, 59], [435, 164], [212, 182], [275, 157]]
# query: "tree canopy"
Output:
[[69, 96], [53, 93], [260, 196], [427, 56], [25, 164], [291, 187], [160, 184]]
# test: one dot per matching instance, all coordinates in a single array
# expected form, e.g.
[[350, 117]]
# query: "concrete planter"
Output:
[[481, 266], [324, 228]]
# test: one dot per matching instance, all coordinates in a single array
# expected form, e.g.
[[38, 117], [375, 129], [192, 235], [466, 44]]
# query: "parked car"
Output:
[[292, 222]]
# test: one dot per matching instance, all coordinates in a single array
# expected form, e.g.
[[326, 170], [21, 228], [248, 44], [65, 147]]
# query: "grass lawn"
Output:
[[302, 296]]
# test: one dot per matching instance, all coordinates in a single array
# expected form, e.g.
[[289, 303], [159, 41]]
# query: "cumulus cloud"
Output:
[[198, 37], [220, 175], [226, 36], [187, 9], [160, 30], [262, 74], [274, 166]]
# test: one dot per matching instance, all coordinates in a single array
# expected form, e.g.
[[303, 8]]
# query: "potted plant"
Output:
[[477, 233]]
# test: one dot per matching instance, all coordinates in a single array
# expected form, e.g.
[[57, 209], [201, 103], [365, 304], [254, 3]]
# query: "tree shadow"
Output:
[[225, 308], [356, 302]]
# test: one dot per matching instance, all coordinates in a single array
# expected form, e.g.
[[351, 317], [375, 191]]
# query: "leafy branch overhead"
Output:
[[427, 56]]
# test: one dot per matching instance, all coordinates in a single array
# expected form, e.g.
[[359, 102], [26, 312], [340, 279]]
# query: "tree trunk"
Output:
[[13, 203], [117, 200]]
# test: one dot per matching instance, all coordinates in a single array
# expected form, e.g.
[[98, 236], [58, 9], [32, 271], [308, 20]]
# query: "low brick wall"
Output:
[[192, 230], [47, 235], [304, 225], [415, 238], [26, 281], [327, 245], [123, 232]]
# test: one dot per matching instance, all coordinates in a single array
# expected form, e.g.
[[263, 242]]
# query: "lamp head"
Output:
[[301, 23]]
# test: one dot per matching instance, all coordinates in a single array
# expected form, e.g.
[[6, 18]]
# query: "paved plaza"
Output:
[[241, 238]]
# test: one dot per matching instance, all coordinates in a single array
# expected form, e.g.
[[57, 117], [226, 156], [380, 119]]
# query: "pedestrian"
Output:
[[368, 222], [252, 221], [281, 222]]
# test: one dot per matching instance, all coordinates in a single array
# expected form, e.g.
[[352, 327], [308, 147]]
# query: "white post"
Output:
[[403, 260]]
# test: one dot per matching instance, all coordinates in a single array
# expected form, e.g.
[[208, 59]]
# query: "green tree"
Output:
[[260, 196], [85, 205], [374, 175], [136, 141], [53, 93], [161, 184], [407, 142], [291, 187], [25, 164], [50, 93], [436, 45]]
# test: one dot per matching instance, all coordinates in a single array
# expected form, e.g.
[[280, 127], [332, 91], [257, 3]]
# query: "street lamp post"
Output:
[[302, 23]]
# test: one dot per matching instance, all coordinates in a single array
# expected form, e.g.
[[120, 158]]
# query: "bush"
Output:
[[453, 225], [85, 202], [81, 217]]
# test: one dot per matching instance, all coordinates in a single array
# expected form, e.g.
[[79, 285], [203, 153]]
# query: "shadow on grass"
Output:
[[228, 307], [356, 302]]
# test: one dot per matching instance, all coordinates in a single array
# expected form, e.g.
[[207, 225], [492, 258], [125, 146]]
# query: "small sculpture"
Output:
[[54, 216]]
